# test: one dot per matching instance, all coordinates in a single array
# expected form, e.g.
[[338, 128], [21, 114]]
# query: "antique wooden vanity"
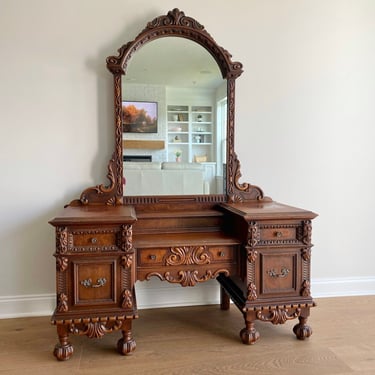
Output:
[[258, 250]]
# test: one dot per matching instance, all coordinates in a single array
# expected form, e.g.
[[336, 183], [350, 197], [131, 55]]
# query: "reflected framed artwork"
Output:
[[139, 117]]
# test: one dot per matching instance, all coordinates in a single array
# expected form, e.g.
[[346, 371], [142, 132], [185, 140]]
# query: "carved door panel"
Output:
[[279, 272], [94, 282]]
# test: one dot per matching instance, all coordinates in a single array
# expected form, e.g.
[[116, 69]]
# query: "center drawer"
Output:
[[184, 255]]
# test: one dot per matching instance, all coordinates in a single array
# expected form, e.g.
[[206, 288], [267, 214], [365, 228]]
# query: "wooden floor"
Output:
[[204, 340]]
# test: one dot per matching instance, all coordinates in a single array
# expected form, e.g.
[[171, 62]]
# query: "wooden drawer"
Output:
[[276, 234], [185, 255], [93, 239], [150, 257], [222, 253]]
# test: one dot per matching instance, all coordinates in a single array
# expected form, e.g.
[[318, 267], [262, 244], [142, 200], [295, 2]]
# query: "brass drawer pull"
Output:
[[221, 254], [153, 257], [94, 240], [278, 234], [87, 283], [284, 272]]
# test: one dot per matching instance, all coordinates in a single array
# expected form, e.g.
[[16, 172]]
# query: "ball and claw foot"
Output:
[[63, 352], [249, 335], [302, 330]]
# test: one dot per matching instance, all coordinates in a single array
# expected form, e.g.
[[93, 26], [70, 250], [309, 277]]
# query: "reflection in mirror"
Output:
[[174, 120]]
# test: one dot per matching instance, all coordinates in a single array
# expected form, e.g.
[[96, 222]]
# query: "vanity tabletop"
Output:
[[257, 210], [95, 214]]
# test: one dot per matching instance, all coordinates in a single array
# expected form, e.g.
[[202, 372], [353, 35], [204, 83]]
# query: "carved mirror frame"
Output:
[[174, 24]]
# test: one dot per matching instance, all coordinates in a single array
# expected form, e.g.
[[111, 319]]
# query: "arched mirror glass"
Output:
[[174, 120]]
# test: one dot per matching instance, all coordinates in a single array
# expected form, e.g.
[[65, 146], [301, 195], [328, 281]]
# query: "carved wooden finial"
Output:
[[175, 17]]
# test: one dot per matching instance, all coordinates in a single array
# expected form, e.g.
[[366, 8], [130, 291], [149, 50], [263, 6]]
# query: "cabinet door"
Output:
[[95, 282], [279, 272]]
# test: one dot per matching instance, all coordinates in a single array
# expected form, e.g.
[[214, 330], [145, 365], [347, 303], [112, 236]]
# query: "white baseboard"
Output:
[[344, 286], [156, 294], [27, 305]]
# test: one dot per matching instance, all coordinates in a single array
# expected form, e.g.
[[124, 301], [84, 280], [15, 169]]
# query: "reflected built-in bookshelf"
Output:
[[190, 131]]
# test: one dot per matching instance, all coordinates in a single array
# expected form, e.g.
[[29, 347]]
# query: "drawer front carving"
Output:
[[185, 255], [94, 239], [94, 282], [280, 272], [280, 234]]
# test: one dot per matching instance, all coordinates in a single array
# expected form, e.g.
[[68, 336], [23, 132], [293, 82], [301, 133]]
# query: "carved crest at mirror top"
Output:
[[174, 24]]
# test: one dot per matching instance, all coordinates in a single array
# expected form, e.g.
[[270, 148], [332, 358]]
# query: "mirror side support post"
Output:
[[118, 136]]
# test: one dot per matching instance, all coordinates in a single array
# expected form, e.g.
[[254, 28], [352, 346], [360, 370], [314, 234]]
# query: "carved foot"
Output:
[[249, 335], [126, 345], [302, 330], [64, 349], [63, 352]]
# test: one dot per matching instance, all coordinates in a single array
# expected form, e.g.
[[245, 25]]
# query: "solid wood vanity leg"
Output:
[[224, 299], [126, 345], [64, 349], [249, 335], [302, 330]]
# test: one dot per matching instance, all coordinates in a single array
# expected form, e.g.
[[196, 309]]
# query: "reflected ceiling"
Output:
[[179, 61]]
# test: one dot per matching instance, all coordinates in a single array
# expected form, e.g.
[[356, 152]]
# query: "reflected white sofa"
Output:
[[166, 178]]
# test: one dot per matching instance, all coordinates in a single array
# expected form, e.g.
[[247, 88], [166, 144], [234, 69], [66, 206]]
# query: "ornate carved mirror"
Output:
[[154, 130]]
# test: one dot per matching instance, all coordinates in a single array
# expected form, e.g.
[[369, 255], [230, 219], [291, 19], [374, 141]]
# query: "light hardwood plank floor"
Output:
[[204, 340]]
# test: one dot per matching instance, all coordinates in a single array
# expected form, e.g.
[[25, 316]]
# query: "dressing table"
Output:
[[257, 249]]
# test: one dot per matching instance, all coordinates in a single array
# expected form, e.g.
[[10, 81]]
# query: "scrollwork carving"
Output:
[[61, 240], [175, 17], [251, 292], [127, 299], [253, 234], [307, 231], [235, 198], [103, 193], [241, 191], [306, 253], [62, 303], [174, 23], [117, 198], [305, 290], [127, 261], [278, 316], [187, 277], [127, 238], [95, 329], [188, 255], [252, 255], [61, 264]]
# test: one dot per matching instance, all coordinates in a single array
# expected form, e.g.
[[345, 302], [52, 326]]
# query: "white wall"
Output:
[[305, 119]]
